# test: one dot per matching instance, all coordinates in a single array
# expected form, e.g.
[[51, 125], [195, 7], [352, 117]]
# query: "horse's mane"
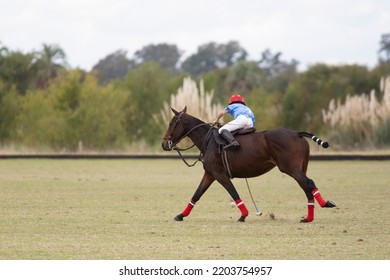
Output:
[[193, 118]]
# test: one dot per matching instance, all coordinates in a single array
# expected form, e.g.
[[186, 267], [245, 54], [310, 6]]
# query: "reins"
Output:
[[179, 150]]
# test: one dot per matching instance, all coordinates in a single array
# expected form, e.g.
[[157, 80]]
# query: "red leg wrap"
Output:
[[240, 204], [318, 197], [188, 209], [310, 211]]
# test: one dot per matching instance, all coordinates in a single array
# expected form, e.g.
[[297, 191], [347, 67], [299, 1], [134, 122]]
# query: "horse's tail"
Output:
[[316, 139]]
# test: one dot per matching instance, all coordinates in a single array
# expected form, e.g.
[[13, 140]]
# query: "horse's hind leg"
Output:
[[317, 195], [205, 183], [295, 164], [312, 193]]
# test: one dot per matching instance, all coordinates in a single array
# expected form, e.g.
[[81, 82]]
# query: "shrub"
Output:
[[198, 102], [362, 121]]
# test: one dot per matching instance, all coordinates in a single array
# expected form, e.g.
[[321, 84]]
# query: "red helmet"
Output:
[[236, 98]]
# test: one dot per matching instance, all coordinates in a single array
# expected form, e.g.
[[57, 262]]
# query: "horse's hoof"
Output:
[[179, 218], [241, 219], [330, 204], [305, 220]]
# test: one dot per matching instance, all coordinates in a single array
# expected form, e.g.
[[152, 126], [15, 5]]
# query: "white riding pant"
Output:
[[240, 122]]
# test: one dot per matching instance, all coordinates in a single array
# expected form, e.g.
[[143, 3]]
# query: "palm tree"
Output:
[[50, 61], [3, 49]]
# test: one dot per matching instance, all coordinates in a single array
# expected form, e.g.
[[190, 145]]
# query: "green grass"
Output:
[[124, 209]]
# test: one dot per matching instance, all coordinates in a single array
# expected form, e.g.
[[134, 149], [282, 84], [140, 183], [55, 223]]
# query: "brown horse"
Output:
[[258, 153]]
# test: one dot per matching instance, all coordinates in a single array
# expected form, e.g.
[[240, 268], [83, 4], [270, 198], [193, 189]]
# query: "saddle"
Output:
[[222, 142]]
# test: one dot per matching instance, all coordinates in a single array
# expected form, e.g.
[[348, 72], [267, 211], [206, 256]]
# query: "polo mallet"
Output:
[[258, 213]]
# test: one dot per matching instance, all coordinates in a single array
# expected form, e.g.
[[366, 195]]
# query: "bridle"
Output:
[[173, 146], [170, 143]]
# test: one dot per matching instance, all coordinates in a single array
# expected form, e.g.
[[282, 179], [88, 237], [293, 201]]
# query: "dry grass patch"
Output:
[[124, 209]]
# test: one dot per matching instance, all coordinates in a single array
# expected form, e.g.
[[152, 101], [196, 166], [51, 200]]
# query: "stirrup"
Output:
[[232, 146]]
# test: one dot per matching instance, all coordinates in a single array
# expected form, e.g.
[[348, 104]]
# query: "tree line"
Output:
[[44, 103]]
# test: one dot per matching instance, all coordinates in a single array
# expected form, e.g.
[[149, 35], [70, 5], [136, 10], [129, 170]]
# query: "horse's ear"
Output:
[[185, 109], [174, 111]]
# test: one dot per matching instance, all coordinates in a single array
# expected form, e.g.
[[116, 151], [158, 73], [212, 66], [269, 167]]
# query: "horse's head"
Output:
[[175, 131]]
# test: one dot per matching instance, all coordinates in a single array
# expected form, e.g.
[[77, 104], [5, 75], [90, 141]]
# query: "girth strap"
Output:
[[225, 162]]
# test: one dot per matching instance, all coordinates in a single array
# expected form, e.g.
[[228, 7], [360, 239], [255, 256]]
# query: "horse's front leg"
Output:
[[205, 183], [228, 185]]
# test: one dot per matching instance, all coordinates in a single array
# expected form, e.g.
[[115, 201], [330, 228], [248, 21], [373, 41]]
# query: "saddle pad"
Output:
[[244, 131], [220, 141]]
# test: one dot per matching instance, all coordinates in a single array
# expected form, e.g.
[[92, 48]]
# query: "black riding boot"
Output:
[[233, 144]]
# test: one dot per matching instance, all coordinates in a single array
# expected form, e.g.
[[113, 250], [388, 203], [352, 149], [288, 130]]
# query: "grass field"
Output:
[[124, 209]]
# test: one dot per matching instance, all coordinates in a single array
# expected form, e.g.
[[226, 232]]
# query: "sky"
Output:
[[310, 31]]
